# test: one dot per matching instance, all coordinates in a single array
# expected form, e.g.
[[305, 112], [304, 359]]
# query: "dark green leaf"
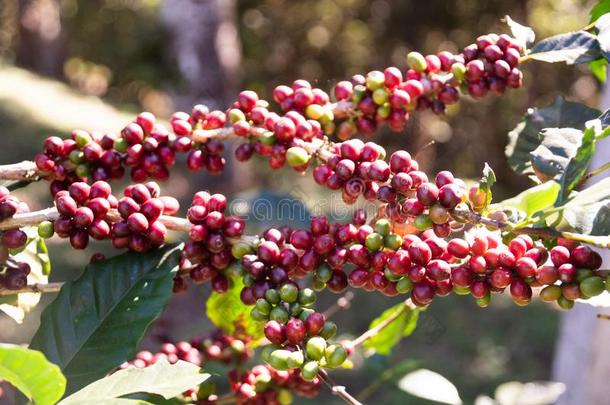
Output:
[[383, 342], [525, 35], [558, 146], [588, 212], [229, 313], [577, 166], [162, 378], [526, 136], [31, 373], [599, 68], [571, 48], [534, 199], [602, 7], [96, 321]]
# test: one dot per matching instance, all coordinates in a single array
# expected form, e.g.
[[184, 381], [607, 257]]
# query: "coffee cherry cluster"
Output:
[[223, 348], [171, 352], [273, 135], [208, 251], [140, 209], [263, 385], [82, 213]]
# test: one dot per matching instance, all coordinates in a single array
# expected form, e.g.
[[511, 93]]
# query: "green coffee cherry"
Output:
[[307, 297], [314, 111], [297, 156], [565, 303], [315, 347], [235, 270], [77, 157], [296, 359], [82, 170], [581, 274], [262, 306], [279, 314], [305, 313], [383, 227], [324, 273], [416, 61], [391, 276], [327, 118], [82, 138], [461, 290], [592, 286], [121, 145], [393, 241], [235, 114], [608, 283], [266, 352], [384, 110], [380, 96], [240, 249], [359, 91], [404, 285], [289, 293], [484, 302], [284, 396], [375, 80], [329, 330], [268, 138], [295, 309], [257, 316], [278, 359], [423, 222], [459, 71], [550, 293], [273, 296], [317, 284], [45, 229], [310, 370], [374, 242], [335, 355], [248, 280]]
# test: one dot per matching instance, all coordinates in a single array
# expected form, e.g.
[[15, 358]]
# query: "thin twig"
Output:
[[592, 173], [343, 302], [605, 317], [408, 305], [338, 390], [225, 399], [34, 288]]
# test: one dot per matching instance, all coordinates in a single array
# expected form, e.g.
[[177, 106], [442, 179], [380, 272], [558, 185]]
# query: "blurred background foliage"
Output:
[[93, 64]]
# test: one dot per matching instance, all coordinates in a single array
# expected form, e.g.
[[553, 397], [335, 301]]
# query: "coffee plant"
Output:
[[430, 236]]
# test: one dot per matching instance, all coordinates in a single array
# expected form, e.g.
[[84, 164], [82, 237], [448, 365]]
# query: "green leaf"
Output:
[[571, 48], [588, 212], [602, 7], [552, 156], [16, 306], [229, 313], [31, 373], [535, 198], [161, 378], [486, 182], [524, 34], [526, 136], [577, 166], [96, 321], [599, 68], [383, 342]]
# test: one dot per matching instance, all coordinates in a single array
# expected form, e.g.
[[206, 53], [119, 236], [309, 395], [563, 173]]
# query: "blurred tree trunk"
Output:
[[41, 40], [205, 45], [582, 355]]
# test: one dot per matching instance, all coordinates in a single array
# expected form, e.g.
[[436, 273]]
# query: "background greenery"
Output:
[[119, 51]]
